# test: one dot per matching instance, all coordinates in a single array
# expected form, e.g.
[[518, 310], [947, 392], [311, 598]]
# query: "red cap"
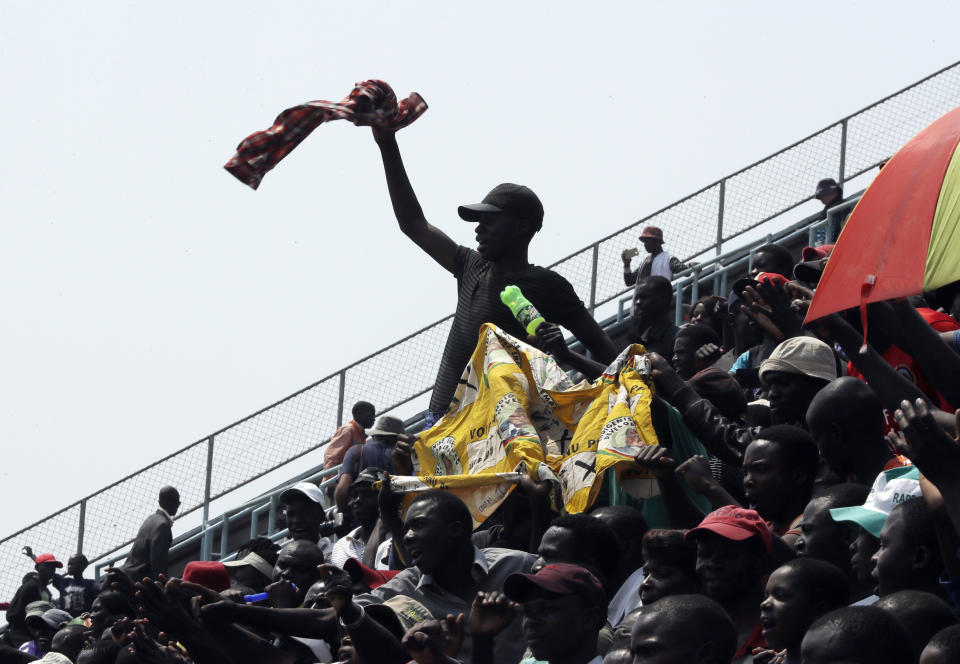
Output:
[[736, 523], [48, 558], [556, 578], [772, 278], [207, 573], [816, 253], [373, 578], [651, 233]]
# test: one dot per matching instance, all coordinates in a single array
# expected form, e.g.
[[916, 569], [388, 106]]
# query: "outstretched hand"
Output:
[[149, 651], [435, 641], [656, 459], [933, 452], [338, 586], [403, 455], [707, 354], [664, 377], [549, 338], [696, 471], [116, 579], [389, 501], [490, 613], [769, 305]]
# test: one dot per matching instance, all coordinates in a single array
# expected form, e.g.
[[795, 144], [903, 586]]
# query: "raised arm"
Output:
[[407, 208], [889, 385], [940, 364]]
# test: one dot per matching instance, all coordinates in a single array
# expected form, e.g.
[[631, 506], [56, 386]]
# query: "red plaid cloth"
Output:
[[370, 103]]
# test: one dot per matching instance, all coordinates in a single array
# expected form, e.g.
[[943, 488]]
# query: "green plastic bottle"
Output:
[[521, 308]]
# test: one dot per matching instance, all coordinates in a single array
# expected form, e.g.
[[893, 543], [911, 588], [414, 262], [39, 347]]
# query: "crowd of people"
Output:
[[819, 522]]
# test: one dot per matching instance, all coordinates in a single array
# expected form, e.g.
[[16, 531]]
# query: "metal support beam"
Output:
[[843, 151], [593, 277], [343, 381], [722, 197], [206, 482], [82, 526]]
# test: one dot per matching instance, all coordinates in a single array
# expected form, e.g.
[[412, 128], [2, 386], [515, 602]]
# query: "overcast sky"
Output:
[[150, 298]]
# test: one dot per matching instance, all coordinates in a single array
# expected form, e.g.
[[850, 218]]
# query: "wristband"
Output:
[[354, 623]]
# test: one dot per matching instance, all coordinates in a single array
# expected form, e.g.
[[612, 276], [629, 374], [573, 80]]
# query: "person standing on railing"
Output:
[[507, 219], [657, 262], [151, 549], [351, 433]]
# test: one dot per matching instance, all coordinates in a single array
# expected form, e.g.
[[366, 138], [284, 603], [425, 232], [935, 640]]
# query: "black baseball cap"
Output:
[[516, 199], [826, 186]]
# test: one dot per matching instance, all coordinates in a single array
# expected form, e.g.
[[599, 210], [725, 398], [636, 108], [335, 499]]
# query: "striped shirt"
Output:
[[478, 302]]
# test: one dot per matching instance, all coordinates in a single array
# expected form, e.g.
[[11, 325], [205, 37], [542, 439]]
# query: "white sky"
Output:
[[150, 298]]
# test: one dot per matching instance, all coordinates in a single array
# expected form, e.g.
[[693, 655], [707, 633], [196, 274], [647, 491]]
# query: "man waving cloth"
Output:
[[507, 219]]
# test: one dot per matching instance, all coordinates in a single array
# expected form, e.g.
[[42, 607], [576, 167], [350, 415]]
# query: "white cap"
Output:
[[892, 487], [805, 356], [311, 491], [255, 561]]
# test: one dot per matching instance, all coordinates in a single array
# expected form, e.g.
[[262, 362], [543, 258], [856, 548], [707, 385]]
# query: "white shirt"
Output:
[[626, 599]]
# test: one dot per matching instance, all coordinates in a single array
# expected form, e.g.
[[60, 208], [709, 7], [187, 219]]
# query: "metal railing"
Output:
[[227, 460], [261, 512]]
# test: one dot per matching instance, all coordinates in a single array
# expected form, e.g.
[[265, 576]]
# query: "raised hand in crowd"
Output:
[[152, 651], [490, 614], [707, 354], [389, 503], [403, 455], [696, 472], [769, 305], [550, 339], [926, 444], [681, 511], [435, 641], [339, 592], [764, 656], [116, 579], [166, 615], [888, 384], [282, 594], [940, 364], [657, 460]]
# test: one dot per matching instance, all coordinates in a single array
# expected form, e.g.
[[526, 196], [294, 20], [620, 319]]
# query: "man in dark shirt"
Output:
[[76, 593], [507, 220], [148, 555], [652, 318], [33, 589]]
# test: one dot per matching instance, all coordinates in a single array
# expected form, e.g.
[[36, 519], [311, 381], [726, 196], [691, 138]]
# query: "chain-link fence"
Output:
[[228, 459]]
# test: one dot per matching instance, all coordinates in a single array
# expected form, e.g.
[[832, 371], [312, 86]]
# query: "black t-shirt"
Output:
[[478, 302]]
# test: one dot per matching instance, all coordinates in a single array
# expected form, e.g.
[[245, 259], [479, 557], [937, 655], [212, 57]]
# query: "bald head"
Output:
[[297, 563], [170, 499], [843, 417]]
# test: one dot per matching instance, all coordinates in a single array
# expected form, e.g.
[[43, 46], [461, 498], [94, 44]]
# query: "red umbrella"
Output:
[[902, 237]]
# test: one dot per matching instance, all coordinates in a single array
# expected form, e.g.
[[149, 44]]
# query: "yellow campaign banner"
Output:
[[516, 409]]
